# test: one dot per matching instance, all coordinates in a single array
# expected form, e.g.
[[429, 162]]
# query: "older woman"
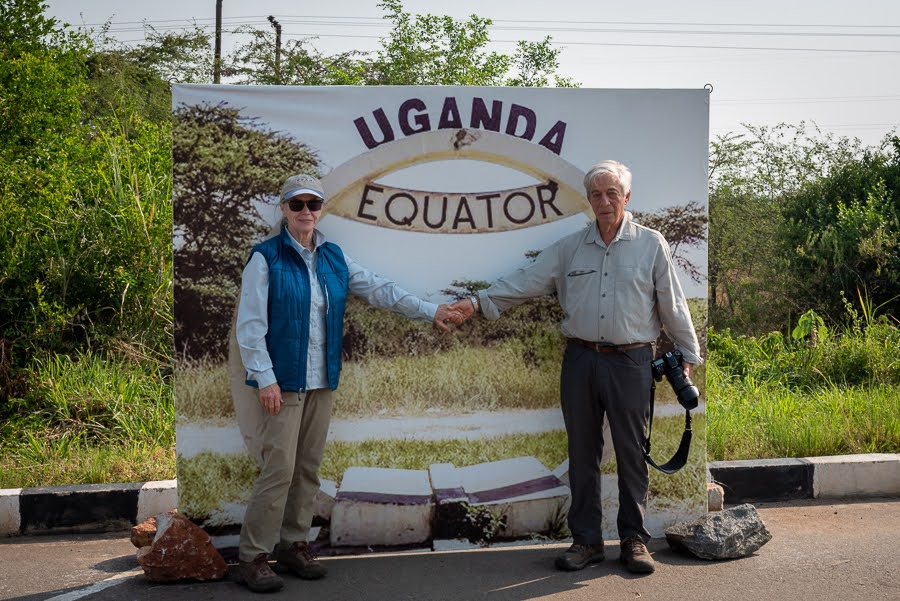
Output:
[[289, 330]]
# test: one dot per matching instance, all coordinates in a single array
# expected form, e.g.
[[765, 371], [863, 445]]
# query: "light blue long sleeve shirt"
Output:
[[253, 319]]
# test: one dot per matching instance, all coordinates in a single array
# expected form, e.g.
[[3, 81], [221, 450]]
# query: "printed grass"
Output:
[[207, 479], [457, 380]]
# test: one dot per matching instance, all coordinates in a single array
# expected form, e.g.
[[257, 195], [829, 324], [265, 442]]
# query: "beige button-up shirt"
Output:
[[617, 294]]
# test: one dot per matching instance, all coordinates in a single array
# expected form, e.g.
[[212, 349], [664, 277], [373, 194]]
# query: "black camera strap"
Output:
[[680, 458]]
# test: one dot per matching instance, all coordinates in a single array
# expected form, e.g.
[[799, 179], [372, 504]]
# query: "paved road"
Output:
[[843, 551]]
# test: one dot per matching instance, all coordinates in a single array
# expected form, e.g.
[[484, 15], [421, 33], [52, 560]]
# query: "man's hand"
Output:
[[444, 314], [465, 307], [688, 369], [270, 398]]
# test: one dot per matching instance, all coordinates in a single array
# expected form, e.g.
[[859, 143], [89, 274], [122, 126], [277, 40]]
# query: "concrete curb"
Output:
[[116, 507], [83, 508], [839, 476]]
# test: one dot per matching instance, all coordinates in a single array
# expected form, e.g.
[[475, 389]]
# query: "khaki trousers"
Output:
[[291, 447]]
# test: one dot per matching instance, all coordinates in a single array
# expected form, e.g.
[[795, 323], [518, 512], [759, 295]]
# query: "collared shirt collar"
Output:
[[318, 240], [626, 231]]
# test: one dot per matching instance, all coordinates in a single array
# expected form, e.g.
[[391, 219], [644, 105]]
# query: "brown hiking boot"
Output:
[[636, 557], [578, 556], [258, 576], [298, 558]]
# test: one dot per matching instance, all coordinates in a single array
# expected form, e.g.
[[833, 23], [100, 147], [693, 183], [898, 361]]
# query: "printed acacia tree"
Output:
[[226, 167], [682, 226]]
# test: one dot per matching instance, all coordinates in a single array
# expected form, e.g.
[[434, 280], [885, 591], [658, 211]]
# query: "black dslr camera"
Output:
[[669, 365]]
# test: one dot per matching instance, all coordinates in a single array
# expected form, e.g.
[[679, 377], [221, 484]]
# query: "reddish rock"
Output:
[[181, 550], [142, 535]]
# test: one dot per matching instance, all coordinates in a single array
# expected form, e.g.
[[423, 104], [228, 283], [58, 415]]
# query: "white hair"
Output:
[[620, 171]]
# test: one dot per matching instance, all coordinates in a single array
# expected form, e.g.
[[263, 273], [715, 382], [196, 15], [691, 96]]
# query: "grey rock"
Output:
[[735, 532]]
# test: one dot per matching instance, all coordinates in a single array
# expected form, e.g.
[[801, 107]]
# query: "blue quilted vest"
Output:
[[289, 304]]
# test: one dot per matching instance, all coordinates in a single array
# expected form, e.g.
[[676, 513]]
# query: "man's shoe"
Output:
[[258, 576], [636, 557], [298, 558], [578, 556]]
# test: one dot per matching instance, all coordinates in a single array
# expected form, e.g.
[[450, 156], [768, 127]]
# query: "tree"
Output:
[[436, 50], [419, 50], [183, 56], [227, 167], [536, 63], [746, 280], [134, 81], [41, 79], [24, 28], [84, 207], [787, 205], [300, 63], [841, 234]]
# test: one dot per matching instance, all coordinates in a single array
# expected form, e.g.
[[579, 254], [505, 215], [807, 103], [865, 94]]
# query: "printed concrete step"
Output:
[[325, 499], [380, 506], [522, 489], [451, 501]]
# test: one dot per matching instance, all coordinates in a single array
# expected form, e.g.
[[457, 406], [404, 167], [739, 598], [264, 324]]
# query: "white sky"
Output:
[[829, 62]]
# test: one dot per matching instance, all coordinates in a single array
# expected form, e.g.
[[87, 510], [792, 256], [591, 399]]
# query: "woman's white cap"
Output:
[[301, 184]]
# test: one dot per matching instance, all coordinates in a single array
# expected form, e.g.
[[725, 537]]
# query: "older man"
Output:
[[617, 285]]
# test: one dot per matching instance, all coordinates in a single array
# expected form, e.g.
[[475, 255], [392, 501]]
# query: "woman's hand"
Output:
[[270, 398], [444, 314]]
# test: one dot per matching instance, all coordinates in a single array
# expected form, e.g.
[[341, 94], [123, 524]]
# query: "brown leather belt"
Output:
[[610, 348]]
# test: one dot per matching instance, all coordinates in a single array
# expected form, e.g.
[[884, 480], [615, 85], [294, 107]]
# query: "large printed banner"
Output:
[[434, 438]]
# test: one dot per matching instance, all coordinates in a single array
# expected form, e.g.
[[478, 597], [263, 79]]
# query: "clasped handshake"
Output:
[[455, 313]]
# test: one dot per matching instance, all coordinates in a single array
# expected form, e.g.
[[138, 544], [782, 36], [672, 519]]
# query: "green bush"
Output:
[[866, 357]]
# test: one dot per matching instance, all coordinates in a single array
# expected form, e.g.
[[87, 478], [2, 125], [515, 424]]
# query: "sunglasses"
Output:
[[313, 205]]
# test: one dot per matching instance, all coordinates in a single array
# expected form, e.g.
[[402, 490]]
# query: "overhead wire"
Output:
[[863, 31]]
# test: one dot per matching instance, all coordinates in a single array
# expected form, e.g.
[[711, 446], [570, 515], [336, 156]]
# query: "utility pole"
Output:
[[217, 59], [277, 27]]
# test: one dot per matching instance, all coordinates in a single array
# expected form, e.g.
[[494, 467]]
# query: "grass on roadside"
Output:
[[834, 393], [89, 419], [92, 397], [40, 461], [752, 420]]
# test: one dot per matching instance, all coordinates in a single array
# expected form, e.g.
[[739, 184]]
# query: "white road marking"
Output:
[[98, 586]]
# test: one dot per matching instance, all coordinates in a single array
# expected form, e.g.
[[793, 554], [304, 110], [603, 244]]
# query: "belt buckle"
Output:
[[601, 347]]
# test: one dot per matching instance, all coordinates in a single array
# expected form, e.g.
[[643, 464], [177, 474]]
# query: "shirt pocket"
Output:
[[582, 284], [636, 278]]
